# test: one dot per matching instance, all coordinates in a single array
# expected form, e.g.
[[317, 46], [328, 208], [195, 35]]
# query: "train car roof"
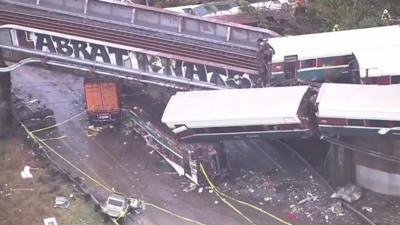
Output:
[[377, 62], [355, 101], [335, 43], [234, 107]]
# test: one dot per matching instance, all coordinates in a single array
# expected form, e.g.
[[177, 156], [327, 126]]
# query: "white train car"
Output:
[[239, 113]]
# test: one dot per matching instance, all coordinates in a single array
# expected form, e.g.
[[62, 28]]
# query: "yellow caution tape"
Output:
[[239, 201], [37, 139], [59, 124], [173, 214], [72, 165], [55, 138]]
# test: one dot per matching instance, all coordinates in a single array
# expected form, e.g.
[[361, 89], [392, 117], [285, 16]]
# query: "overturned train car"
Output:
[[284, 112]]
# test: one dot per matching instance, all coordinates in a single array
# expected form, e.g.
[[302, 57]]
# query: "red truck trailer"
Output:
[[102, 102]]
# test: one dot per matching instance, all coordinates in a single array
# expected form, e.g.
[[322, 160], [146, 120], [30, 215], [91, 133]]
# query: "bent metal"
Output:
[[129, 59]]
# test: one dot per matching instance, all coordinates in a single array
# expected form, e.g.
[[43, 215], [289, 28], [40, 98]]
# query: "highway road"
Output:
[[125, 163]]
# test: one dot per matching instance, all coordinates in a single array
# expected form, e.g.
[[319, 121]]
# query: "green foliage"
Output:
[[348, 14], [247, 8], [172, 3]]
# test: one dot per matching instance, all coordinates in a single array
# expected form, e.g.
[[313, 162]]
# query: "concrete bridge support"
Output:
[[373, 173], [377, 174], [5, 99], [339, 165]]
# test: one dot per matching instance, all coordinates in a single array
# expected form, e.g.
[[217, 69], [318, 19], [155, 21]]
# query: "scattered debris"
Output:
[[95, 129], [190, 188], [337, 208], [267, 199], [348, 193], [31, 112], [21, 189], [310, 197], [118, 206], [50, 221], [200, 190], [61, 202], [33, 101], [367, 209], [26, 173]]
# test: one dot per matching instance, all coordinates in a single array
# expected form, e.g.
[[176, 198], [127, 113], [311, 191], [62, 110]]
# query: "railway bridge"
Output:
[[125, 41]]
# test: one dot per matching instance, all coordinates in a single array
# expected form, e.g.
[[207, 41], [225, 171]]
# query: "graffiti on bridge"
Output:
[[130, 59]]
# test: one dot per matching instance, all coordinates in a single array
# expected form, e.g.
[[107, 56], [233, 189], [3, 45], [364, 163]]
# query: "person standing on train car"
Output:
[[265, 53], [386, 17], [336, 28]]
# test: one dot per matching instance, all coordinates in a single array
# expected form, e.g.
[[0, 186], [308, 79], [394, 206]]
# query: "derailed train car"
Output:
[[365, 56], [185, 158], [284, 112], [199, 116], [350, 109]]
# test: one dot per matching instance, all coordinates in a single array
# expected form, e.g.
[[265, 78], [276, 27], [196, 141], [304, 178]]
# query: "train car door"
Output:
[[290, 66]]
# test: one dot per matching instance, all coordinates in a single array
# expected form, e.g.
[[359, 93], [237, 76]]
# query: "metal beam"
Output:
[[157, 20], [181, 81]]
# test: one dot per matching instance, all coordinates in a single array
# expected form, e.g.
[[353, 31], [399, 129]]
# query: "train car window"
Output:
[[379, 123], [395, 80], [239, 129], [395, 123], [277, 67], [309, 63], [355, 123], [333, 61]]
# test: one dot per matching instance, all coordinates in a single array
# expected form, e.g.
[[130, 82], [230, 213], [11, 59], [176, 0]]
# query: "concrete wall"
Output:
[[376, 174]]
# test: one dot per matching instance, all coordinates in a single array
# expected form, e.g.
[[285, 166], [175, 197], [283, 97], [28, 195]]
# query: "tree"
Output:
[[348, 14], [247, 8]]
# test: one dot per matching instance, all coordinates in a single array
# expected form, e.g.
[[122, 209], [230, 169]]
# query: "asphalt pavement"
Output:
[[123, 162]]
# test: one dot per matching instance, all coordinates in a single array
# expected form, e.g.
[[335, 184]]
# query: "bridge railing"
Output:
[[154, 19]]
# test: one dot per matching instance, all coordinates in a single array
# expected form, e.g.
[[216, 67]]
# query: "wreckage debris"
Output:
[[348, 193], [32, 113], [190, 188], [50, 221], [26, 172], [61, 202], [337, 208], [367, 209]]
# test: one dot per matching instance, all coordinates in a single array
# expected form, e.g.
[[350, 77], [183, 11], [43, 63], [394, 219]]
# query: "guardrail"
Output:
[[152, 18]]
